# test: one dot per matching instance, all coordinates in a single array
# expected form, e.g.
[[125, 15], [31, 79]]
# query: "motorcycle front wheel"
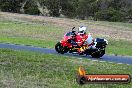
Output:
[[60, 49]]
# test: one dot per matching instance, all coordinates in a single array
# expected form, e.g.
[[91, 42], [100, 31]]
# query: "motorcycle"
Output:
[[73, 45]]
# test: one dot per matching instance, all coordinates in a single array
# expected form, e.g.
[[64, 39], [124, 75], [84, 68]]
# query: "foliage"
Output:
[[10, 5], [110, 10], [109, 15], [31, 8]]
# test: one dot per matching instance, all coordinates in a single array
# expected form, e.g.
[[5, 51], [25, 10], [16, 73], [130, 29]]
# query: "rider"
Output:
[[84, 36], [86, 39], [79, 39], [82, 30]]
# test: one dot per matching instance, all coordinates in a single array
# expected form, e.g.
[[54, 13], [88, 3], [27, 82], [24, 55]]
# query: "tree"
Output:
[[111, 10], [69, 8], [86, 8], [10, 5], [23, 5]]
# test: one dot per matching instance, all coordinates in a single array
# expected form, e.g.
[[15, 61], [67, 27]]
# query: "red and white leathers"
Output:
[[84, 41]]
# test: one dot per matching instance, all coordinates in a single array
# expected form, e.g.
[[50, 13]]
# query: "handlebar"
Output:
[[73, 32], [73, 28]]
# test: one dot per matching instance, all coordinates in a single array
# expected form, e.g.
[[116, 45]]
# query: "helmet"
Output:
[[82, 30]]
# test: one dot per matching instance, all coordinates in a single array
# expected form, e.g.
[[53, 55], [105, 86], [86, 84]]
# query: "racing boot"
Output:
[[81, 51]]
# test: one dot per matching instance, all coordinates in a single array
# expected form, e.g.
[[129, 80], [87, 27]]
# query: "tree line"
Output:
[[107, 10]]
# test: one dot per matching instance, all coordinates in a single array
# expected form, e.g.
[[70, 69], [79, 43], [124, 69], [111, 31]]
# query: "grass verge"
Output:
[[45, 35], [119, 47], [115, 47], [28, 41], [22, 69]]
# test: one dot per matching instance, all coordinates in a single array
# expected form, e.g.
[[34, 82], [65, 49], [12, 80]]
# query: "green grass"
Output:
[[28, 41], [43, 34], [112, 25], [116, 47], [27, 30], [119, 24], [29, 34], [47, 35], [22, 69], [119, 47]]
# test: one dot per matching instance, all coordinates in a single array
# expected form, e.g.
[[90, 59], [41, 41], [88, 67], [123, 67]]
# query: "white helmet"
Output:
[[82, 30]]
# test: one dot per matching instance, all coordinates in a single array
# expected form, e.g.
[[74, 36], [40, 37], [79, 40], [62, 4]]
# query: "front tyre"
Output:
[[57, 47], [98, 54], [60, 49]]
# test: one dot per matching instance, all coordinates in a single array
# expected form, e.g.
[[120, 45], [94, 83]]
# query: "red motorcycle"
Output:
[[75, 43]]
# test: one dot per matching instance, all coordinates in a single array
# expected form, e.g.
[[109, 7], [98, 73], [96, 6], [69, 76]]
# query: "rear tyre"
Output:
[[98, 54]]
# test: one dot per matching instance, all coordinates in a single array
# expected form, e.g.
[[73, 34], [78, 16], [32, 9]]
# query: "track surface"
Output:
[[108, 58]]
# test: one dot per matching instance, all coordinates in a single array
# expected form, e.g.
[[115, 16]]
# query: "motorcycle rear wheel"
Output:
[[98, 54]]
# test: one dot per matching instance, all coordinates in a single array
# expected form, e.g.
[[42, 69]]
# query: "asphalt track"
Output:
[[107, 58]]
